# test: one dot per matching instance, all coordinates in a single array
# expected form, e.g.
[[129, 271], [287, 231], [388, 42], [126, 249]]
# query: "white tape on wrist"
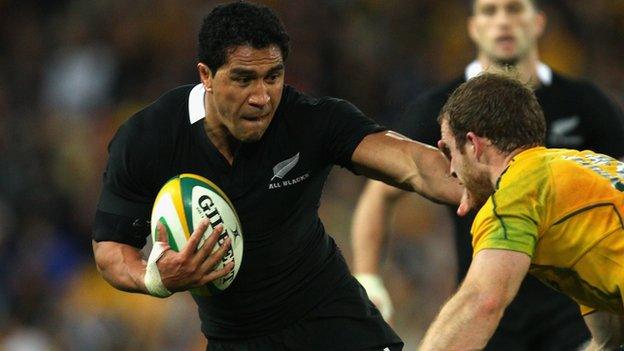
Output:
[[152, 279], [376, 290]]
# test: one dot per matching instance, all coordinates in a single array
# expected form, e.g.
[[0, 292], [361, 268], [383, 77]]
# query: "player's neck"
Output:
[[499, 163], [526, 67], [218, 134]]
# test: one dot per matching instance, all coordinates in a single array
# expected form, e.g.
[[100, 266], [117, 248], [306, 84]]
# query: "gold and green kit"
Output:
[[564, 208]]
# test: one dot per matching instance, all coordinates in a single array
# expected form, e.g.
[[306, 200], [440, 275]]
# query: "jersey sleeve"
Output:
[[344, 130], [606, 127], [125, 202], [510, 218]]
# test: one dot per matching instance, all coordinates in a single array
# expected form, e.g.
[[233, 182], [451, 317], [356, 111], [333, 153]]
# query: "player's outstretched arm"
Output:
[[407, 164], [124, 267], [470, 317], [368, 233], [607, 330]]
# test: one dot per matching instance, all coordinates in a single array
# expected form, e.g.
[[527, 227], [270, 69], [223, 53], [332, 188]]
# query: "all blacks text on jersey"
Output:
[[281, 169]]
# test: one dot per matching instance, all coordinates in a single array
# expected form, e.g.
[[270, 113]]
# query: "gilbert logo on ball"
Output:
[[181, 204]]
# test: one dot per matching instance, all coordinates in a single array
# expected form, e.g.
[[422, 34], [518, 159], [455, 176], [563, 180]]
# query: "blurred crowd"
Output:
[[72, 71]]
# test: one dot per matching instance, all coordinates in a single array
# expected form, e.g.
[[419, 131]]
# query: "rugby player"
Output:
[[554, 213], [578, 115], [294, 290]]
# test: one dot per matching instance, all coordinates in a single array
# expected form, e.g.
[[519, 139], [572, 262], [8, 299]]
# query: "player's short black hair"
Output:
[[497, 107], [474, 2], [239, 23]]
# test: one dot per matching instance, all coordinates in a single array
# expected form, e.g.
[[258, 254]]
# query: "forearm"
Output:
[[370, 225], [434, 180], [466, 322], [607, 330], [122, 266], [407, 164]]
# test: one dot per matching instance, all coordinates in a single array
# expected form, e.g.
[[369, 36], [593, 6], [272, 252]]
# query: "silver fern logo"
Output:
[[282, 168], [562, 132]]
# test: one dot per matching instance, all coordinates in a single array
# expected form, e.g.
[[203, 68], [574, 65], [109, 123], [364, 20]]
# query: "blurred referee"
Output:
[[578, 116]]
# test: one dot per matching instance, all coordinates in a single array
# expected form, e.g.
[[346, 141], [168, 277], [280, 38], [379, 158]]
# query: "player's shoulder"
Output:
[[151, 127], [529, 170], [541, 167], [300, 106], [296, 99], [162, 115], [572, 85], [570, 163], [170, 107]]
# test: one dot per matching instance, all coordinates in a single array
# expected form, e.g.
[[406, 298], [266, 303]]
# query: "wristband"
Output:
[[374, 286], [152, 279]]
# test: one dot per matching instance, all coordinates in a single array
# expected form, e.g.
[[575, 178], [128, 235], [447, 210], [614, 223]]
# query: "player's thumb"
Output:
[[161, 232]]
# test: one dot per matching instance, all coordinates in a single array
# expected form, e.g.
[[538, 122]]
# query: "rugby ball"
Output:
[[181, 204]]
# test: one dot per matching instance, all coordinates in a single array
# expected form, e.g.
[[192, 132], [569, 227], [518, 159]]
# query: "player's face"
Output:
[[247, 89], [465, 167], [505, 30]]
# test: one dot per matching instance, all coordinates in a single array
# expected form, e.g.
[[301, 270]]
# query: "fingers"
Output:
[[215, 257], [196, 267], [216, 274], [195, 238], [209, 244]]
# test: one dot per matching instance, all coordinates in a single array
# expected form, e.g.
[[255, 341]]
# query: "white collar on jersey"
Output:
[[544, 73], [196, 108]]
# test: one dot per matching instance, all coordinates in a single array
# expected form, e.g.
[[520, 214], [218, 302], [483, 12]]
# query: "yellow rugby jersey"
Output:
[[565, 209]]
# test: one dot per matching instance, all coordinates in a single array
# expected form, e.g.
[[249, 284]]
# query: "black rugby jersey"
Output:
[[578, 116], [289, 262]]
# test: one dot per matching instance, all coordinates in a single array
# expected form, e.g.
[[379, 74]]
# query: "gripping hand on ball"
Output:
[[192, 267]]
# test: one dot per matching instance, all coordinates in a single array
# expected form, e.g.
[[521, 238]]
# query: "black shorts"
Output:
[[346, 320], [540, 319]]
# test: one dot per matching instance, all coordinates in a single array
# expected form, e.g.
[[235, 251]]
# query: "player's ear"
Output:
[[475, 144], [205, 75], [472, 29], [540, 23]]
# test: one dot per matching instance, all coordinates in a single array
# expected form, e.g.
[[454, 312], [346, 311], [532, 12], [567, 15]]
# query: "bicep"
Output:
[[396, 159], [128, 188], [498, 273], [341, 129]]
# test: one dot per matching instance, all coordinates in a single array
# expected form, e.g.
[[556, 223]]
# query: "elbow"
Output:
[[98, 257], [491, 305], [486, 303], [105, 264], [103, 267]]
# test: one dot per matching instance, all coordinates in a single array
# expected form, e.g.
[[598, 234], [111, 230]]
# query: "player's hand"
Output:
[[192, 267], [377, 293]]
